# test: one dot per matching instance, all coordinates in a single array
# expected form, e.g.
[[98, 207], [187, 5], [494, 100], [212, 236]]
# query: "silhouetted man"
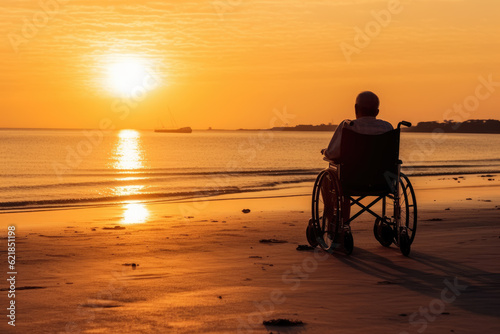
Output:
[[366, 108], [366, 122]]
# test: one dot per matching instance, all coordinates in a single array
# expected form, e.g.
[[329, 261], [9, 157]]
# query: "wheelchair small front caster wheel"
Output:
[[311, 236], [348, 243], [383, 233], [404, 244]]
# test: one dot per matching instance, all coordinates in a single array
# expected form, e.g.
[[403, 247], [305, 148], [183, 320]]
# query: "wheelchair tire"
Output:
[[348, 243], [326, 202], [408, 207], [383, 233], [311, 236]]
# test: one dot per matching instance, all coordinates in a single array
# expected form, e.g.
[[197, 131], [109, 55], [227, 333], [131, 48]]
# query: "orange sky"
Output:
[[228, 64]]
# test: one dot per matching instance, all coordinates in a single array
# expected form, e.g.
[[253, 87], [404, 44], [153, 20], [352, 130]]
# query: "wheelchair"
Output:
[[369, 166]]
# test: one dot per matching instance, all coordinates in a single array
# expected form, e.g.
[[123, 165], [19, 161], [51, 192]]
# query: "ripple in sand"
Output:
[[145, 276], [386, 283], [26, 288], [283, 322], [101, 304], [304, 248], [272, 241], [61, 255], [117, 227]]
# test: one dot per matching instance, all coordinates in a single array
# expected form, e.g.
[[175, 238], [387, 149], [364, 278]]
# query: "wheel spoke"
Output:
[[325, 211]]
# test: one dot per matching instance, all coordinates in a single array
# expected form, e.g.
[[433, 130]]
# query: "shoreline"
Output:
[[301, 188]]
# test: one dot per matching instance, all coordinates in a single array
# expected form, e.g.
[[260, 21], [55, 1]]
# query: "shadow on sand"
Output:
[[482, 293]]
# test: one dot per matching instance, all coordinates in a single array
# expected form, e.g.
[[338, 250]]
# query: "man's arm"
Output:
[[332, 152]]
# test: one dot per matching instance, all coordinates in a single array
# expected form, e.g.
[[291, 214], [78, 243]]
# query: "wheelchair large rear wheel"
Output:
[[326, 201], [408, 206], [401, 233]]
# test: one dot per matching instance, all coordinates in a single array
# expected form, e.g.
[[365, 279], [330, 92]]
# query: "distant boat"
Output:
[[180, 130], [186, 129]]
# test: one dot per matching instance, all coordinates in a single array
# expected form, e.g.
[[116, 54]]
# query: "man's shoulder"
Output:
[[362, 124], [370, 125], [384, 123], [346, 122], [371, 121]]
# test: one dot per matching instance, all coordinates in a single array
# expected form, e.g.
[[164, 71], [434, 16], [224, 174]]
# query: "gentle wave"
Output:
[[495, 171], [450, 166], [73, 201], [150, 172], [148, 178], [157, 178], [163, 172], [199, 193]]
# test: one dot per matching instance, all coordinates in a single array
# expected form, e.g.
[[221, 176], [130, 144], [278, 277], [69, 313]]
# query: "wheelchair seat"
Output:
[[369, 163]]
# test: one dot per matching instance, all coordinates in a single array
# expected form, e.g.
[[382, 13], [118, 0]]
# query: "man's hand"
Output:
[[323, 151]]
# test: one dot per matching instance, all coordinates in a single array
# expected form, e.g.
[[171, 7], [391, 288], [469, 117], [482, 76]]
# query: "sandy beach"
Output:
[[205, 267]]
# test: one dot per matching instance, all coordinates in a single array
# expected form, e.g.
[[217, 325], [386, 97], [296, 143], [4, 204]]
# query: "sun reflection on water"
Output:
[[135, 213], [128, 153], [128, 160], [128, 190]]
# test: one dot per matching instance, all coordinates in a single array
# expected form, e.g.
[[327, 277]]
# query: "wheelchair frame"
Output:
[[330, 231]]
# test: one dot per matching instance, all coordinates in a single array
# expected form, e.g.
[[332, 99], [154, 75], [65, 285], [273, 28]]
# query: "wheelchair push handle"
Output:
[[405, 123]]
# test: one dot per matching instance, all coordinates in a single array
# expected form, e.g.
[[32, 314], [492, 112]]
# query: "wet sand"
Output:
[[199, 267]]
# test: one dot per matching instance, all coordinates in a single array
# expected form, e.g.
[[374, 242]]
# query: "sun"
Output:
[[129, 76]]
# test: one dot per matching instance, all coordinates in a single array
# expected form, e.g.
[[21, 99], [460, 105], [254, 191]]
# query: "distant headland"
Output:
[[301, 127], [470, 126], [304, 127]]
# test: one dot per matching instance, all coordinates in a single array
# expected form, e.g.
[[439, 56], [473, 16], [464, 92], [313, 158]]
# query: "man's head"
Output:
[[366, 104]]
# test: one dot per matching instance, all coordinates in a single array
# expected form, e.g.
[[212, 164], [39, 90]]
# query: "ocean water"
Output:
[[58, 168]]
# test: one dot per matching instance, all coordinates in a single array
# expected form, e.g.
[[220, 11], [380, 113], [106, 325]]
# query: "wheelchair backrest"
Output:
[[369, 163]]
